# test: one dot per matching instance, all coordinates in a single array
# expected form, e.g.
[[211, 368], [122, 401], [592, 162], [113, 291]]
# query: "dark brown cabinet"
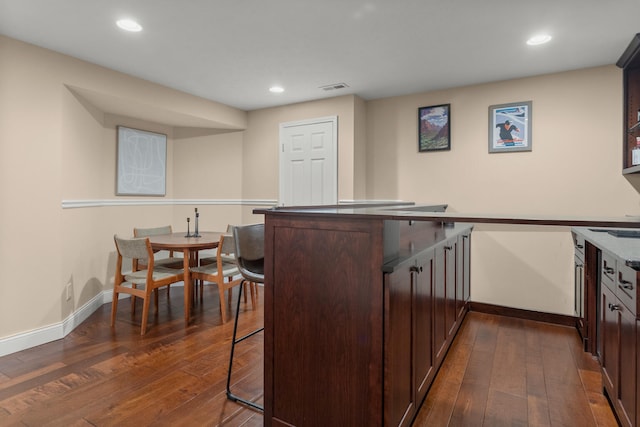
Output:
[[610, 338], [352, 305], [618, 355], [449, 301], [463, 271], [630, 64], [610, 326], [423, 308], [586, 284], [627, 381], [440, 329], [408, 325], [400, 331], [451, 315], [426, 301]]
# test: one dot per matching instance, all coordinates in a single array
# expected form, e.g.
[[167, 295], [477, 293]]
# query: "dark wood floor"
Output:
[[502, 371], [499, 371]]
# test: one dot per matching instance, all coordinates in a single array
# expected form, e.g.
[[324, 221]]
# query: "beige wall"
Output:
[[57, 139], [262, 143], [574, 169], [58, 118], [30, 164]]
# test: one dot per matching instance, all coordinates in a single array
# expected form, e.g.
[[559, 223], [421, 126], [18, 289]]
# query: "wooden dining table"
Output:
[[189, 247]]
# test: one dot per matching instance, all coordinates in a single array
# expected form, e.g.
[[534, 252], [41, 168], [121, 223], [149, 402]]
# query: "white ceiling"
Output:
[[232, 51]]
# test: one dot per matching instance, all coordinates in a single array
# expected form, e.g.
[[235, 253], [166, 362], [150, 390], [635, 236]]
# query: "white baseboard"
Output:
[[35, 337], [46, 334]]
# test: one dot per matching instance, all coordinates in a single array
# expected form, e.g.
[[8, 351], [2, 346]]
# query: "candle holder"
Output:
[[188, 232], [195, 233]]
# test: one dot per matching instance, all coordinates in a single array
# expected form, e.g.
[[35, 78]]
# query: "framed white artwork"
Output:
[[142, 163]]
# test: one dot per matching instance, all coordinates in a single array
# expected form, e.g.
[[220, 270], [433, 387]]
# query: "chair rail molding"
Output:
[[98, 203]]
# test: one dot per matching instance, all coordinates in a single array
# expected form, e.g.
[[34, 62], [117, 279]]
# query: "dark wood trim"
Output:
[[435, 213], [557, 319]]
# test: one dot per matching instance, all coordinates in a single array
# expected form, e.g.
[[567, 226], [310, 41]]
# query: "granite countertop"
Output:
[[626, 248], [437, 212]]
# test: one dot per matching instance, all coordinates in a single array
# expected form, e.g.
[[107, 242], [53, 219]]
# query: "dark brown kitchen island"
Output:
[[361, 305]]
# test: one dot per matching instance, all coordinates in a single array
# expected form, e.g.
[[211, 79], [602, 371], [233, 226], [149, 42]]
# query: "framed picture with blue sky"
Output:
[[434, 128]]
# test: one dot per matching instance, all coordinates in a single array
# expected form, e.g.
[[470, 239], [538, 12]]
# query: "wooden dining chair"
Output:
[[227, 257], [224, 273], [140, 283], [170, 261]]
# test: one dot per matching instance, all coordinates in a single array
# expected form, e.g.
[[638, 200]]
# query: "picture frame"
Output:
[[510, 127], [434, 128], [141, 162]]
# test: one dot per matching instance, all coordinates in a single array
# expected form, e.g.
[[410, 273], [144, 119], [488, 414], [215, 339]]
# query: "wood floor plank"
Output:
[[509, 373], [499, 371], [439, 403], [471, 402], [537, 399], [505, 409]]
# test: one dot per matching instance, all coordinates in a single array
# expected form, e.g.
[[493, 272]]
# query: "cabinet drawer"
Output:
[[608, 268], [627, 290]]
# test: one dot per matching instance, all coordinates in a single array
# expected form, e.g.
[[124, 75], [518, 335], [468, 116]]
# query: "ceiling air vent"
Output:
[[334, 86]]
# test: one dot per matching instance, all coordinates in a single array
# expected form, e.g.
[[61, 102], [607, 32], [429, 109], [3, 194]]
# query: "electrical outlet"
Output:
[[69, 291]]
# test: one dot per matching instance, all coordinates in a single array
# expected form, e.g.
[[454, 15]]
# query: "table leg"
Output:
[[187, 287]]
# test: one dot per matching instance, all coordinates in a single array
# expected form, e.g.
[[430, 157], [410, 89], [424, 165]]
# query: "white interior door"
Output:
[[309, 162]]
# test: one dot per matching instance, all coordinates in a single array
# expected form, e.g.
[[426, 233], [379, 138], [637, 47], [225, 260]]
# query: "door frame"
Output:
[[334, 144]]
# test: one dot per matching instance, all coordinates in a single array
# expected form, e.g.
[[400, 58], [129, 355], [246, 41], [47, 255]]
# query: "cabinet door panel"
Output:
[[399, 387], [627, 379], [450, 278], [610, 340], [466, 266], [423, 354], [460, 301], [323, 322], [439, 306]]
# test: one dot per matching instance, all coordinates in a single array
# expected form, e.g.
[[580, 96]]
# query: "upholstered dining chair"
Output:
[[224, 272], [226, 256], [140, 283], [170, 261], [249, 241]]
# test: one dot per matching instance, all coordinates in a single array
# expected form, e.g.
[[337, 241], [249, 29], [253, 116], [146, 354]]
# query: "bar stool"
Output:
[[249, 241]]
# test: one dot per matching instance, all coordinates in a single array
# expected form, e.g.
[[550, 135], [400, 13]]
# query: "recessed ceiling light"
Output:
[[129, 25], [539, 39], [276, 89]]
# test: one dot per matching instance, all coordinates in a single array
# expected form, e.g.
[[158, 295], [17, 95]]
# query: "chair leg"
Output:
[[254, 291], [223, 306], [114, 307], [235, 341], [145, 313]]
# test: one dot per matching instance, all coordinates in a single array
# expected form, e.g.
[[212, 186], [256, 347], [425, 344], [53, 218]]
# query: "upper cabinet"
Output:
[[630, 64]]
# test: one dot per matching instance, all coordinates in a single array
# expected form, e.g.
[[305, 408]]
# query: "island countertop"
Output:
[[626, 248], [436, 212]]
